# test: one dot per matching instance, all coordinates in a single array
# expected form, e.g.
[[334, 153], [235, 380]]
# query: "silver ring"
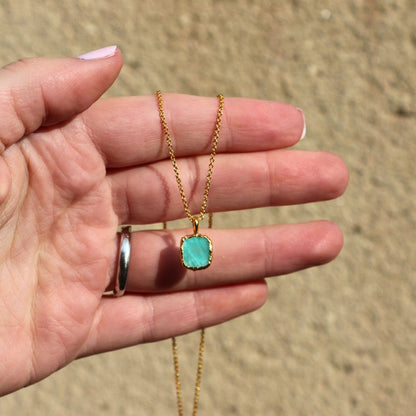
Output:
[[123, 261]]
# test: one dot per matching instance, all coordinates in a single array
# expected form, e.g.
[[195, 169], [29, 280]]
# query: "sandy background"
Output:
[[334, 340]]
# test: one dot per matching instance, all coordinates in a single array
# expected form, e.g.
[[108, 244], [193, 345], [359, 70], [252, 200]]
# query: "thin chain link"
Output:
[[200, 360], [215, 139], [198, 375]]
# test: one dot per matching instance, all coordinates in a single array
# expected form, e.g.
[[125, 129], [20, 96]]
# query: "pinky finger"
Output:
[[135, 319]]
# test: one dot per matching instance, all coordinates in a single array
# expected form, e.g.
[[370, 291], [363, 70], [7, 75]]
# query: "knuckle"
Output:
[[21, 108]]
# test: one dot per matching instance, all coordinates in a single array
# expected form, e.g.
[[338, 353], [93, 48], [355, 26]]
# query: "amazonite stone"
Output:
[[196, 252]]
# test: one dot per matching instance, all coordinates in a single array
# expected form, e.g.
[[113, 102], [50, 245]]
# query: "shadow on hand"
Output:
[[170, 270]]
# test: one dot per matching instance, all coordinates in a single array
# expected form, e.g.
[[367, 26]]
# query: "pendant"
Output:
[[196, 249]]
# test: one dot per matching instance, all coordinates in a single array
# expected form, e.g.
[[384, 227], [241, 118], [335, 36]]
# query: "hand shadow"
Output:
[[170, 270]]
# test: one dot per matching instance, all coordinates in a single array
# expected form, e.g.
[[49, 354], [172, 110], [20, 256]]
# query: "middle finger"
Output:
[[149, 194]]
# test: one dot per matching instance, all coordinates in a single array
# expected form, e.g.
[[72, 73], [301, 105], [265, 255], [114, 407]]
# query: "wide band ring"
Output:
[[123, 261]]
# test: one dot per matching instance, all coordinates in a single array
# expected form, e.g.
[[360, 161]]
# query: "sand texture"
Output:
[[338, 339]]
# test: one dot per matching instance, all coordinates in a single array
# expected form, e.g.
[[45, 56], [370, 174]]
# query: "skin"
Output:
[[73, 167]]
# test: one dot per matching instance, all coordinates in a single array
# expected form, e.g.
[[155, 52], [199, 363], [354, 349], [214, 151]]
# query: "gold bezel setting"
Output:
[[187, 237]]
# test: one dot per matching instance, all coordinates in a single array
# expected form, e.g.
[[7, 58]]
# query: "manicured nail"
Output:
[[304, 125], [106, 52]]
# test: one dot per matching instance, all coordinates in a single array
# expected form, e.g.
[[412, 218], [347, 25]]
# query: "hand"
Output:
[[72, 169]]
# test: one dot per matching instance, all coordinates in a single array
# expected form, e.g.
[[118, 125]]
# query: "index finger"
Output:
[[127, 130]]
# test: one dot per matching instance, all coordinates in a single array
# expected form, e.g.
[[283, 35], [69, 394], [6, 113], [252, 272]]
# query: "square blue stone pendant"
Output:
[[196, 251]]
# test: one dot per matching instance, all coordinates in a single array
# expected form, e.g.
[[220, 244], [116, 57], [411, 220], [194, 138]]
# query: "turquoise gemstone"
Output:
[[196, 252]]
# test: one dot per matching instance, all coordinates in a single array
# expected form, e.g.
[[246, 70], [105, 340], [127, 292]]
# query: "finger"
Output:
[[239, 255], [128, 130], [42, 91], [240, 181], [134, 319]]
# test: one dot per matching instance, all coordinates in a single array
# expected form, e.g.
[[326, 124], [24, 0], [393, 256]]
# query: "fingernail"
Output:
[[304, 125], [106, 52]]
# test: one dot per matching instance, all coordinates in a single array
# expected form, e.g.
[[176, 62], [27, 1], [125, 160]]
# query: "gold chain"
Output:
[[198, 374], [195, 220], [216, 135], [200, 360]]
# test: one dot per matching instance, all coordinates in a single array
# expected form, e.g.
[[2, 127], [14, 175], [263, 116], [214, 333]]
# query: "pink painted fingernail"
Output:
[[304, 125], [106, 52]]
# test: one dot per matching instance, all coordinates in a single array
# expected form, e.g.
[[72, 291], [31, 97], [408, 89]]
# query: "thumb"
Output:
[[37, 92]]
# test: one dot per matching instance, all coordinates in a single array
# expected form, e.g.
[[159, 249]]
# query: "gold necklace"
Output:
[[195, 249], [200, 360]]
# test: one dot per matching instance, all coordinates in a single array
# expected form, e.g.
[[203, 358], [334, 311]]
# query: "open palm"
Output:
[[72, 171]]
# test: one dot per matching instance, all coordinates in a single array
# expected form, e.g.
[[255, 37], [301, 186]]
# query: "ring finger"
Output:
[[238, 255]]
